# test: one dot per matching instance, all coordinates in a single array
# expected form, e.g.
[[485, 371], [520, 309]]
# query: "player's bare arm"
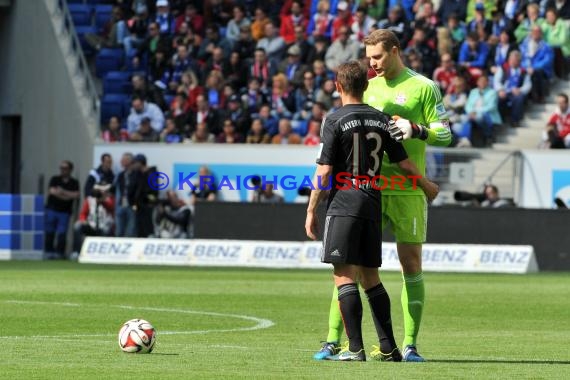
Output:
[[321, 180], [430, 188]]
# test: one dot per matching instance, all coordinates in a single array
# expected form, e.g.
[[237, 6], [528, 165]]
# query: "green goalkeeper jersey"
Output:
[[418, 99]]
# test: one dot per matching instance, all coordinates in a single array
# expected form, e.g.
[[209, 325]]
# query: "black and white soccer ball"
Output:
[[137, 336]]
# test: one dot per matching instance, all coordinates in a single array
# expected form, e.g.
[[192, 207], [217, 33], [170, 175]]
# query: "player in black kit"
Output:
[[353, 142]]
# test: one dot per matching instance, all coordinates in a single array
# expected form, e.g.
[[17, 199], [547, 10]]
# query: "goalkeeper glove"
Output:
[[402, 129]]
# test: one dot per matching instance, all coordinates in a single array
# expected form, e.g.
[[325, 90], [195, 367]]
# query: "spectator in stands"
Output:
[[482, 109], [137, 26], [102, 173], [213, 89], [321, 47], [562, 8], [321, 73], [444, 75], [179, 105], [375, 8], [211, 41], [473, 55], [236, 24], [245, 45], [292, 66], [286, 135], [499, 23], [343, 49], [148, 92], [265, 194], [269, 121], [191, 39], [320, 25], [181, 62], [257, 134], [307, 50], [192, 18], [145, 132], [202, 134], [96, 217], [427, 19], [164, 18], [204, 114], [63, 190], [454, 102], [326, 92], [238, 115], [258, 24], [113, 34], [208, 192], [170, 133], [426, 52], [158, 66], [532, 19], [218, 12], [190, 86], [305, 97], [397, 23], [557, 133], [114, 132], [142, 109], [154, 41], [492, 199], [125, 188], [282, 103], [457, 31], [480, 21], [538, 60], [343, 20], [145, 196], [362, 24], [314, 126], [229, 135], [273, 44], [253, 97], [449, 7], [290, 21], [513, 85], [444, 41], [217, 62], [557, 36], [514, 11], [172, 218], [499, 54], [262, 68]]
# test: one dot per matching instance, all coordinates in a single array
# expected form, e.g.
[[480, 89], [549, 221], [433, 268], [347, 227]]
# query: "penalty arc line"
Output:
[[261, 323]]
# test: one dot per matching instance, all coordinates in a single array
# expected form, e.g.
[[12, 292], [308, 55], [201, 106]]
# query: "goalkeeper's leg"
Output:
[[332, 345]]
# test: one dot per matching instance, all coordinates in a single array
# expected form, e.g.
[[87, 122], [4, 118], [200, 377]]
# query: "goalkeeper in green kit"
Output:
[[416, 105]]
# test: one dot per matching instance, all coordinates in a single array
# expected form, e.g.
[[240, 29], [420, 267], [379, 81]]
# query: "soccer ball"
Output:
[[137, 336]]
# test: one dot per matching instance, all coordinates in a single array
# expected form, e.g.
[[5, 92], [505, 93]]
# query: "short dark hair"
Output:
[[353, 78], [563, 95], [68, 163], [105, 155]]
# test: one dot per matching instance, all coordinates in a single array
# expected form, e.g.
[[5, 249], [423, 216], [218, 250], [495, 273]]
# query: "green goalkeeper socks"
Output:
[[413, 294], [335, 319]]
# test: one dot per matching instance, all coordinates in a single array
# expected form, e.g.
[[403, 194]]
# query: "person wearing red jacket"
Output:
[[557, 133], [288, 22]]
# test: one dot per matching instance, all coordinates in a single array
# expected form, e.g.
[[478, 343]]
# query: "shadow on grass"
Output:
[[500, 361], [164, 354]]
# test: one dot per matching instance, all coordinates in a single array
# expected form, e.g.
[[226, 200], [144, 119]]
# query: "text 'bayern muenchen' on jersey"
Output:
[[353, 141]]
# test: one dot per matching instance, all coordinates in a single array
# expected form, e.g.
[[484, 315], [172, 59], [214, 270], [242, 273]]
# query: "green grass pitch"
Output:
[[59, 320]]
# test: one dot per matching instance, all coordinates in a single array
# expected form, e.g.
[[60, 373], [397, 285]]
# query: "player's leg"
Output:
[[332, 345], [340, 248], [350, 306], [377, 295], [409, 220]]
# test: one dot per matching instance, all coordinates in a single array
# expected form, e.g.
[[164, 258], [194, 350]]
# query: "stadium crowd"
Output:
[[263, 72]]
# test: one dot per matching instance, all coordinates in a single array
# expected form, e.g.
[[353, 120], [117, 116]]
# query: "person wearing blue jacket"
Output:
[[482, 108], [538, 61]]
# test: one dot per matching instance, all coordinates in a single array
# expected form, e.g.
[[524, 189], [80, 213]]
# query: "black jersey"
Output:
[[353, 141]]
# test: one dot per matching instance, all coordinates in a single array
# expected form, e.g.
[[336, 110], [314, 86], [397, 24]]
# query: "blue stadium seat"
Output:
[[80, 14], [116, 82], [462, 129], [113, 105], [108, 60], [81, 32], [102, 15]]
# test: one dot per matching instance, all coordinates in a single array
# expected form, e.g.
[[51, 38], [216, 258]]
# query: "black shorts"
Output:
[[351, 240]]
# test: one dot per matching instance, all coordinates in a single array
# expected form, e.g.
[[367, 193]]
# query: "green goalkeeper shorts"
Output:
[[406, 216]]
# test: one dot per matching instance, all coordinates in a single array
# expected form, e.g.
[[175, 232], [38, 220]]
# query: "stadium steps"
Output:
[[509, 140], [78, 69]]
